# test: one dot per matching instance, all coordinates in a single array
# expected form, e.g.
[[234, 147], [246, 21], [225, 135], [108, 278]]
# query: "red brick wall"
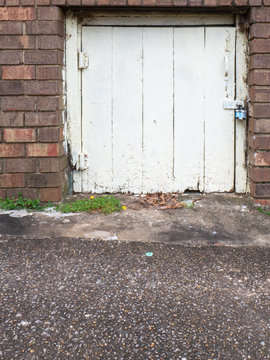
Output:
[[32, 159]]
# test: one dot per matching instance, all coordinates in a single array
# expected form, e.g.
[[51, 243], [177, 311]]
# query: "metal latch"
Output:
[[233, 104], [83, 60], [238, 106], [82, 163]]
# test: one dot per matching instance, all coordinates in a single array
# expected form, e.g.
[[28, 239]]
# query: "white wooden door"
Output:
[[152, 108]]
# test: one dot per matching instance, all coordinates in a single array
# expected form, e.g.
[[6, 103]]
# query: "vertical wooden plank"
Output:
[[127, 109], [189, 108], [97, 107], [157, 109], [219, 123], [73, 97], [241, 126]]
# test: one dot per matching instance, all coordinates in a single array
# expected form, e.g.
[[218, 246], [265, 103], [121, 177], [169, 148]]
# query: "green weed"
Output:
[[105, 204], [263, 211], [22, 203]]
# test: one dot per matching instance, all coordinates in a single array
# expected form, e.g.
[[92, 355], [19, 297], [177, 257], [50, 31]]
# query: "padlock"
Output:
[[240, 114]]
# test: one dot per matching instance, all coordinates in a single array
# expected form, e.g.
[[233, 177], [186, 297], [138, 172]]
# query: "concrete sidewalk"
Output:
[[92, 299], [215, 219]]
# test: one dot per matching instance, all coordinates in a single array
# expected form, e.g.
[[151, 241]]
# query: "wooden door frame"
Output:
[[73, 77]]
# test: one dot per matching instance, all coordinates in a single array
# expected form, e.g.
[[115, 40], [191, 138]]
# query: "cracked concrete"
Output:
[[221, 219]]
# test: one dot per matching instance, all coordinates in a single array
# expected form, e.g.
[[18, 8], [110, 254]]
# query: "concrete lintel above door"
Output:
[[156, 19]]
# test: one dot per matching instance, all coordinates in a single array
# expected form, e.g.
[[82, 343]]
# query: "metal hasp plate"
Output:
[[233, 104], [83, 60], [82, 163]]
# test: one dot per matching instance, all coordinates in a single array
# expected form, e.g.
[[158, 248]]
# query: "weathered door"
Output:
[[152, 108]]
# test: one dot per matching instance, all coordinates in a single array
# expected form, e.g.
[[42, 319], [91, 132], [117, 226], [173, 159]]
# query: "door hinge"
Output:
[[83, 60], [233, 104], [82, 163]]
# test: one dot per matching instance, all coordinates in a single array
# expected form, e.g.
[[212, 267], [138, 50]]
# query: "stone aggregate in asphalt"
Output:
[[92, 299]]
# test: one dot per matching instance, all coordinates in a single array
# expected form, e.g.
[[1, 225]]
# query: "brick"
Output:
[[259, 61], [149, 2], [43, 2], [118, 2], [261, 158], [43, 150], [259, 174], [51, 42], [27, 2], [12, 2], [134, 2], [1, 138], [11, 150], [26, 193], [45, 27], [259, 46], [21, 165], [241, 2], [260, 190], [3, 194], [11, 180], [51, 134], [73, 2], [194, 2], [43, 57], [180, 2], [11, 27], [164, 2], [49, 73], [259, 77], [18, 104], [259, 94], [225, 2], [52, 164], [11, 88], [210, 2], [259, 125], [27, 13], [2, 2], [19, 135], [50, 103], [259, 14], [92, 2], [260, 31], [11, 57], [11, 119], [255, 2], [18, 72], [1, 168], [50, 13], [263, 202], [59, 2], [266, 2], [50, 194], [43, 88], [259, 142], [43, 180], [17, 42], [260, 110], [43, 119]]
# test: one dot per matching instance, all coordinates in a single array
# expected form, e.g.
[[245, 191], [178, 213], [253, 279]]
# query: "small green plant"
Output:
[[105, 204], [263, 211], [18, 203]]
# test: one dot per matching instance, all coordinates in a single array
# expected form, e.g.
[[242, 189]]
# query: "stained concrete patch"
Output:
[[215, 219]]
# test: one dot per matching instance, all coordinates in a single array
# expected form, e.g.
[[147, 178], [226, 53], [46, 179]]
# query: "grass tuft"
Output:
[[19, 203], [263, 211], [105, 204]]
